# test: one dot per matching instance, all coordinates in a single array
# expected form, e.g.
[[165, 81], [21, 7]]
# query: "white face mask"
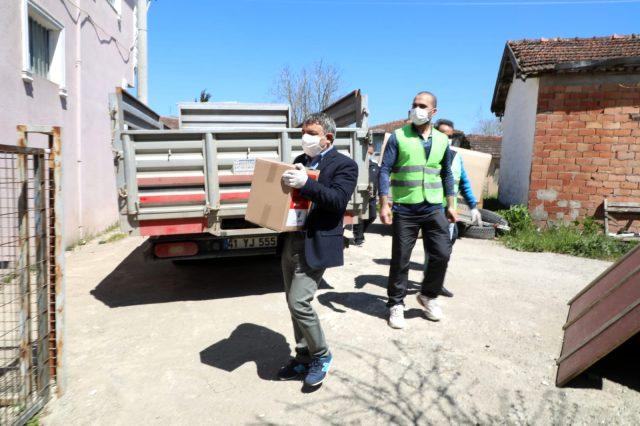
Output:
[[311, 145], [419, 116]]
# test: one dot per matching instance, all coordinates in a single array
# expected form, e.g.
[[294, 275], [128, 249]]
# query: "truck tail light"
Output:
[[178, 249]]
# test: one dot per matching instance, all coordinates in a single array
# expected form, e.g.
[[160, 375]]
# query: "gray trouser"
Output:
[[300, 285]]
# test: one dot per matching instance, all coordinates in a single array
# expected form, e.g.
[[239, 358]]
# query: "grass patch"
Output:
[[583, 239], [90, 237], [113, 237]]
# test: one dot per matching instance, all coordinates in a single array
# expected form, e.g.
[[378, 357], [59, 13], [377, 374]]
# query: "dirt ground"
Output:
[[155, 343]]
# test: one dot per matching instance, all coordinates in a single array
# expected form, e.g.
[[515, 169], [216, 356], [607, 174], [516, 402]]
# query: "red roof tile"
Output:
[[534, 56], [488, 144], [525, 58], [390, 126], [170, 122]]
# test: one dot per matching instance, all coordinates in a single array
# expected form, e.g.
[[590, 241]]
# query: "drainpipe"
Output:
[[78, 113], [143, 88]]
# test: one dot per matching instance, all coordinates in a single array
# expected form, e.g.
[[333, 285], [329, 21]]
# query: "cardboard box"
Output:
[[271, 203], [476, 164]]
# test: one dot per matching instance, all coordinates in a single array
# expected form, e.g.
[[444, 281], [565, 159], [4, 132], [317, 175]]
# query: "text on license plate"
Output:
[[252, 242]]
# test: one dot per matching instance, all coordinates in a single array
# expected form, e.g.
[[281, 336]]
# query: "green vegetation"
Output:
[[113, 237], [35, 421], [91, 237], [584, 239]]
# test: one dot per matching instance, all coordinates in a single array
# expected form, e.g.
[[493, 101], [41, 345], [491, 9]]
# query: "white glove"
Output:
[[476, 217], [295, 178]]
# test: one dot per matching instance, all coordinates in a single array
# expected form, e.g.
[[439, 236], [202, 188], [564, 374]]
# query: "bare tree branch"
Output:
[[488, 127], [311, 89]]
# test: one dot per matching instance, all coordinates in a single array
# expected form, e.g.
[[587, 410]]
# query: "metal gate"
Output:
[[31, 259]]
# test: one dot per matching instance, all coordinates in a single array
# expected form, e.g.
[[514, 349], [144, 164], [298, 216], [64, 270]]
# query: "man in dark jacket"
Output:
[[306, 254]]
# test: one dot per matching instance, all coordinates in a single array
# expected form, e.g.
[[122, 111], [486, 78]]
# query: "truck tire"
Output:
[[479, 232], [492, 217]]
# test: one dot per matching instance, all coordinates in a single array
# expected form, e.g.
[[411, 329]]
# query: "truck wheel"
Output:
[[492, 217], [479, 232]]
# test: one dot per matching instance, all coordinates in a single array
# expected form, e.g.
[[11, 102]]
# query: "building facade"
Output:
[[60, 61], [571, 120]]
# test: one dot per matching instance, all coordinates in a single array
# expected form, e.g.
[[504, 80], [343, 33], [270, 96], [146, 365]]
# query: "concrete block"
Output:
[[547, 194], [539, 213], [575, 204]]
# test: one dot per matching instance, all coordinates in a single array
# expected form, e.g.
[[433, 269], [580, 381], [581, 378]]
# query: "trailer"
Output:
[[187, 189]]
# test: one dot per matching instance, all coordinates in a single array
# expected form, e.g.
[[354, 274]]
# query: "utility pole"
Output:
[[143, 79]]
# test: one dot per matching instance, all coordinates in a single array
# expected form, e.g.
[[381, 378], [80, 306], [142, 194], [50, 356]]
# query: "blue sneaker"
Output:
[[318, 370], [293, 370]]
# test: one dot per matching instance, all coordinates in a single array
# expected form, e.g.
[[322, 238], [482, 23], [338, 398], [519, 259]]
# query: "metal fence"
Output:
[[30, 276]]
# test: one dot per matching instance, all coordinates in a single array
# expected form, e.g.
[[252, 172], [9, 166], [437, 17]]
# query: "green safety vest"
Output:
[[415, 178], [456, 171]]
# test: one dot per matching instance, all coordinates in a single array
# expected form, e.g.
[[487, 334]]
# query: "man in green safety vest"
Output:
[[416, 170]]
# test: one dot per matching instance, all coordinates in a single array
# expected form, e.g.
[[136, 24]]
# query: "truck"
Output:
[[186, 189]]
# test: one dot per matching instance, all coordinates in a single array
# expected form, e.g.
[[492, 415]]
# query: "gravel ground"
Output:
[[155, 343]]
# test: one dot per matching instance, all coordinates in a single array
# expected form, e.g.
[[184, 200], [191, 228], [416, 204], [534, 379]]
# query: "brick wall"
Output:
[[586, 148]]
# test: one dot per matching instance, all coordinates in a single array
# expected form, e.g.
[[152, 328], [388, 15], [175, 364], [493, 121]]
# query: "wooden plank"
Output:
[[601, 317]]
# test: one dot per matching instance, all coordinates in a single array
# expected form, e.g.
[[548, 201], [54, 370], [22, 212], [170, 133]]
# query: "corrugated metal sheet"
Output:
[[205, 115], [131, 114], [601, 317], [350, 110]]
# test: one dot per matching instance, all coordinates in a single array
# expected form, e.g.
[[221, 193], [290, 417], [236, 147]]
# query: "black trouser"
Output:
[[437, 245], [360, 228], [453, 234]]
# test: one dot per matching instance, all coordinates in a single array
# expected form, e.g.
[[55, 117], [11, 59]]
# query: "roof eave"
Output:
[[504, 79]]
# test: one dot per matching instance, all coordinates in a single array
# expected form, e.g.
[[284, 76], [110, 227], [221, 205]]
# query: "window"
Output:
[[39, 54], [42, 46]]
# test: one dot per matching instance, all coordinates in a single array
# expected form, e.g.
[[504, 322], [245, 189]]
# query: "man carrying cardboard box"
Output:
[[306, 254]]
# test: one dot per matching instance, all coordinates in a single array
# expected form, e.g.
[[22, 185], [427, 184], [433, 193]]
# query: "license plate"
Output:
[[244, 166], [241, 243]]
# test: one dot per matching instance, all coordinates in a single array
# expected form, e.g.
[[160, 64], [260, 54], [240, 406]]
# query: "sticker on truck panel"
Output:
[[244, 166], [240, 243]]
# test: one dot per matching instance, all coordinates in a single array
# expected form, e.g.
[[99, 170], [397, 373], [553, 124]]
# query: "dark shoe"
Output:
[[446, 293], [358, 243], [293, 370], [318, 370]]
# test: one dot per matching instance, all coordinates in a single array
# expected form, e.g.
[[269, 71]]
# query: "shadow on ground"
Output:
[[366, 303], [381, 281], [402, 388], [137, 281], [412, 265], [620, 366], [249, 343]]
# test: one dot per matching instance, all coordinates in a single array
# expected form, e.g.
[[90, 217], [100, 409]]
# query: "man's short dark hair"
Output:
[[324, 120], [444, 122], [424, 92]]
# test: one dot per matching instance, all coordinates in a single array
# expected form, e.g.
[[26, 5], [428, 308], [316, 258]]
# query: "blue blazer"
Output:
[[330, 195]]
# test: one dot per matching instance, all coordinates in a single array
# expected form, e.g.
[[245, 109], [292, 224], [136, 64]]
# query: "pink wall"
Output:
[[98, 56]]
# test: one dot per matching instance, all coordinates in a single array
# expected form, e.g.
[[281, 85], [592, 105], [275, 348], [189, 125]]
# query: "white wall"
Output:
[[97, 42], [519, 125]]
